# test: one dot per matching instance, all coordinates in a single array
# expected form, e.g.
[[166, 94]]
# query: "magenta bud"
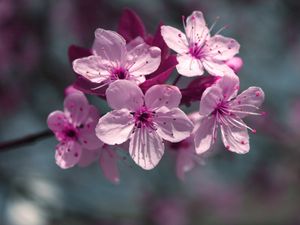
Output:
[[236, 63], [70, 89]]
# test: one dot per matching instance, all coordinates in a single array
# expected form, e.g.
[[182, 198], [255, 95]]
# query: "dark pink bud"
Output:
[[236, 63]]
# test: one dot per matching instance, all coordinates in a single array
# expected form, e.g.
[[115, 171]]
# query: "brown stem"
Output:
[[29, 139]]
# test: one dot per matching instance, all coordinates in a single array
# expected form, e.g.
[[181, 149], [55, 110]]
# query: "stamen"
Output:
[[239, 124], [214, 23], [232, 138], [221, 29], [183, 22], [215, 127], [244, 105], [245, 112], [108, 81]]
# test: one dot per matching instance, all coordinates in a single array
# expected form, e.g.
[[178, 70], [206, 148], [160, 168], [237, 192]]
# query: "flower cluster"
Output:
[[130, 70]]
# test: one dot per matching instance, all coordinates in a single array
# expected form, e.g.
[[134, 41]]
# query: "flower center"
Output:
[[228, 116], [196, 51], [143, 118], [119, 74], [70, 133], [222, 109]]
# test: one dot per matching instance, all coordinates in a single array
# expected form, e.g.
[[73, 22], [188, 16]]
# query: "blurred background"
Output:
[[261, 187]]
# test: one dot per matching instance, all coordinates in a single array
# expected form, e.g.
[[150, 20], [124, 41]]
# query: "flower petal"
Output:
[[173, 125], [67, 154], [109, 45], [184, 162], [175, 39], [146, 148], [211, 97], [189, 66], [88, 157], [87, 134], [248, 101], [235, 139], [229, 84], [194, 117], [158, 41], [162, 95], [115, 127], [92, 68], [205, 134], [124, 94], [143, 59], [216, 68], [76, 108], [196, 29], [221, 48], [108, 163], [134, 43], [56, 121], [161, 75]]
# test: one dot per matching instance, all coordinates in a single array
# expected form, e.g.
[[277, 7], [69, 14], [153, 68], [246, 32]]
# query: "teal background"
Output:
[[261, 187]]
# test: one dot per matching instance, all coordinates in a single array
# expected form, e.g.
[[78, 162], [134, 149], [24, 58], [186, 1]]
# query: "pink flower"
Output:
[[74, 128], [198, 50], [144, 120], [220, 106], [186, 157], [130, 27], [112, 59]]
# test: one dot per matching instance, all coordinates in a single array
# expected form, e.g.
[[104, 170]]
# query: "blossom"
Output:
[[186, 157], [74, 128], [197, 50], [112, 59], [145, 120], [132, 27], [221, 106]]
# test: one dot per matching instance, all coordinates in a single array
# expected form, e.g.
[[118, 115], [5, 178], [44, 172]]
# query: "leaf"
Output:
[[194, 91], [161, 75], [131, 25]]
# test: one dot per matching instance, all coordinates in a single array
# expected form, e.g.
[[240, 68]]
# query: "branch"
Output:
[[29, 139]]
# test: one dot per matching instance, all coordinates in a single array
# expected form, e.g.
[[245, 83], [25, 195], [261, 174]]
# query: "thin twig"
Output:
[[29, 139], [176, 79]]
